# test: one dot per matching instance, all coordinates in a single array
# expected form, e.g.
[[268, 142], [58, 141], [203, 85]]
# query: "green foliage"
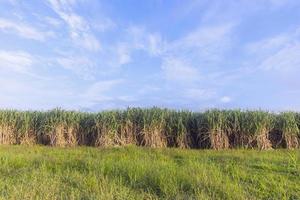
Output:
[[287, 122], [152, 127]]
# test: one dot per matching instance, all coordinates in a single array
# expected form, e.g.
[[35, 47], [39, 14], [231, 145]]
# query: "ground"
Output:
[[143, 173]]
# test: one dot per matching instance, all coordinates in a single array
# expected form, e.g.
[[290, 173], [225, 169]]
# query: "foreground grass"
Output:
[[142, 173]]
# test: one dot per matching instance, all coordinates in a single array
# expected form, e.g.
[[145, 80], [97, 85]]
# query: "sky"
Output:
[[111, 54]]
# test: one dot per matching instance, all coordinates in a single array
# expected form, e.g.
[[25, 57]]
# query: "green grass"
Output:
[[143, 173]]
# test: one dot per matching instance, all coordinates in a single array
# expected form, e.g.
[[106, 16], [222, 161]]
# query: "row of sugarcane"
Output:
[[152, 127]]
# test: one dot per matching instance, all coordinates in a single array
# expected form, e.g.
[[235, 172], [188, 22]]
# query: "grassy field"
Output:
[[144, 173]]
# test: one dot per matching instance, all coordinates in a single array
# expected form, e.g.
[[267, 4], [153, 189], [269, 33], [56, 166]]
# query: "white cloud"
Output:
[[178, 70], [273, 44], [10, 95], [269, 44], [200, 94], [183, 59], [155, 44], [104, 24], [206, 44], [123, 51], [148, 89], [86, 40], [53, 21], [127, 98], [17, 61], [285, 59], [102, 86], [76, 22], [24, 30], [81, 66], [79, 28], [21, 91], [140, 39], [280, 52], [226, 99], [96, 93], [204, 36]]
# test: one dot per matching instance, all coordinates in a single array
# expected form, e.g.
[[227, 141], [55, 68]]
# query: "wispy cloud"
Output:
[[138, 39], [285, 59], [200, 94], [207, 43], [279, 52], [24, 64], [179, 70], [81, 66], [17, 61], [86, 40], [123, 53], [141, 39], [272, 44], [20, 94], [226, 99], [184, 59], [103, 24], [80, 29], [24, 30], [97, 92], [53, 21]]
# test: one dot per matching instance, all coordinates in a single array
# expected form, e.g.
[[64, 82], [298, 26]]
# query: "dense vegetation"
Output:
[[146, 173], [216, 129]]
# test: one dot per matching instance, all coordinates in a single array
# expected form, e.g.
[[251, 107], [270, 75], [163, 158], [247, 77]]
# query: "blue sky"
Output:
[[191, 54]]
